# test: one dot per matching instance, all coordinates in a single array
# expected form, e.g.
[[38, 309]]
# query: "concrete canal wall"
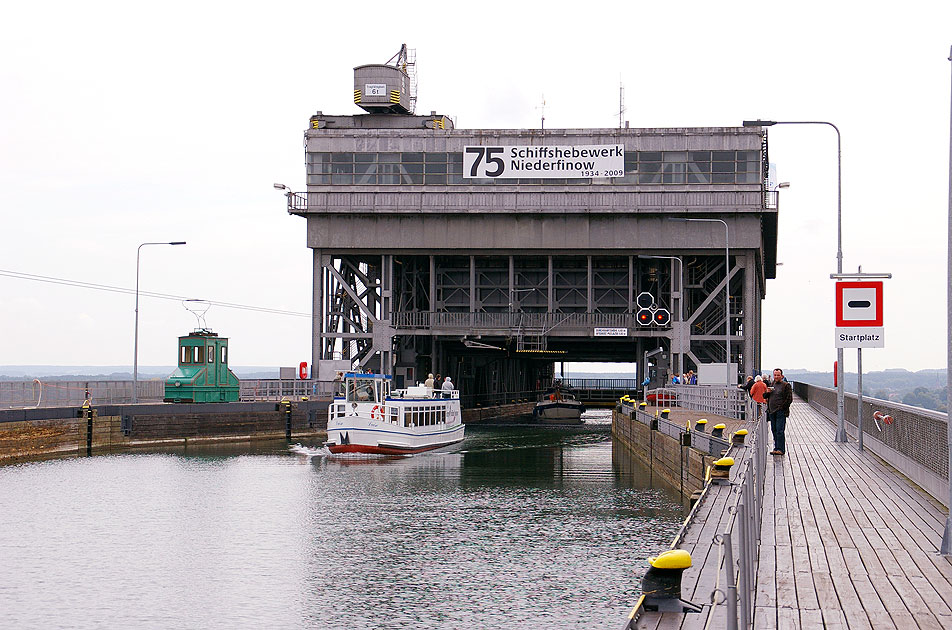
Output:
[[682, 466], [498, 412], [31, 433], [51, 431]]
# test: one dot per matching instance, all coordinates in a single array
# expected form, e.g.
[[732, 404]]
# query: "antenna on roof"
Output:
[[621, 104]]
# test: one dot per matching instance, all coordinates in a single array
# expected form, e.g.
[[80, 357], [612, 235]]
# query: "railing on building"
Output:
[[915, 439], [544, 322]]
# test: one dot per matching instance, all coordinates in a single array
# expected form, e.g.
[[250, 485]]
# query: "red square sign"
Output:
[[859, 304]]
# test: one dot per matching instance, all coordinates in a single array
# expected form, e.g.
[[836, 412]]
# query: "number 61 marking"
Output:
[[488, 152]]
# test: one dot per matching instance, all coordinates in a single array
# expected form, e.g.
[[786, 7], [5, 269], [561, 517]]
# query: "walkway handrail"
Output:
[[913, 440], [742, 533], [724, 400]]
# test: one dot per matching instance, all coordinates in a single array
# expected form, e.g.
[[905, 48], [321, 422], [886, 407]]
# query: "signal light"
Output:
[[644, 317], [662, 317], [644, 300]]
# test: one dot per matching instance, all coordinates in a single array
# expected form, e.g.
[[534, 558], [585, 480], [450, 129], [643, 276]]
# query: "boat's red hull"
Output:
[[382, 450]]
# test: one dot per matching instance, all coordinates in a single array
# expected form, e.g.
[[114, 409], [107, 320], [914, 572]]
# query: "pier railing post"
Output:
[[731, 579], [744, 562]]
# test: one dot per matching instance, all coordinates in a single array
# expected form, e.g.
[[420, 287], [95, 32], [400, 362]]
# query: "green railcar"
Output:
[[202, 375]]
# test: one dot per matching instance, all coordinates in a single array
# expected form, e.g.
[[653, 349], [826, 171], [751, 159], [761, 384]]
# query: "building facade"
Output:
[[491, 254]]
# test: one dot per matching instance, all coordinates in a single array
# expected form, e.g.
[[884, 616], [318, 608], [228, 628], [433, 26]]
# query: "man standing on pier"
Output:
[[779, 398]]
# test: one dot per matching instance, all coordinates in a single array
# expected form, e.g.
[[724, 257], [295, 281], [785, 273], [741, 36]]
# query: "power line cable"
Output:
[[164, 296]]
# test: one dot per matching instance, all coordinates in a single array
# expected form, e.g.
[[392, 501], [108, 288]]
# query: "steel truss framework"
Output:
[[453, 312]]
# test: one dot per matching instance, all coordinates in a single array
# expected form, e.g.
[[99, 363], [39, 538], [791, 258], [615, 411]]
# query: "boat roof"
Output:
[[368, 375]]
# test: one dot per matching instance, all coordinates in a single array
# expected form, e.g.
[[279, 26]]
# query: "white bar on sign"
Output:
[[611, 332], [859, 337]]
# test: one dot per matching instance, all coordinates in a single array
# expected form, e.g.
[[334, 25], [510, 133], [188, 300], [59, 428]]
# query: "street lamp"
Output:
[[680, 366], [727, 292], [947, 535], [840, 397], [135, 359]]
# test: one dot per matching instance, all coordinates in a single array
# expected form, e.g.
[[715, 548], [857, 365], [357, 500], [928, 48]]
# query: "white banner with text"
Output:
[[548, 162]]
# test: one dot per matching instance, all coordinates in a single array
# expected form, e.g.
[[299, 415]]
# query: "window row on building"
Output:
[[439, 168]]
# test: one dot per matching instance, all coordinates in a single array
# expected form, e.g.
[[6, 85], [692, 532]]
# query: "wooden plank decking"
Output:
[[846, 542]]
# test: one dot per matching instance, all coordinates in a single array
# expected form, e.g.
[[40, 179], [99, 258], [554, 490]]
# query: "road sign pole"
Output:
[[859, 397]]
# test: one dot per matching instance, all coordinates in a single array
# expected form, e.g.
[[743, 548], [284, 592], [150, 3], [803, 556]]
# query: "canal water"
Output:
[[518, 528]]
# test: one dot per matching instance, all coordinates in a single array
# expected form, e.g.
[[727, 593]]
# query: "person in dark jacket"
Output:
[[779, 398]]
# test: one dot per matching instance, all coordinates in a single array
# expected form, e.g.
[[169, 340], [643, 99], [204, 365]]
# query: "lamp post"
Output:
[[947, 535], [680, 305], [727, 292], [840, 397], [135, 358]]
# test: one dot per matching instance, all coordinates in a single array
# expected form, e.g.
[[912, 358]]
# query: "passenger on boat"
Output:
[[429, 381], [448, 387]]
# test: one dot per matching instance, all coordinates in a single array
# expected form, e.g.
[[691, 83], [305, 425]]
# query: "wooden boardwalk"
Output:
[[846, 542]]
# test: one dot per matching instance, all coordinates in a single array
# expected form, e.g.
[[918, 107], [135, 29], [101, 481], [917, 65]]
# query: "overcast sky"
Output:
[[122, 123]]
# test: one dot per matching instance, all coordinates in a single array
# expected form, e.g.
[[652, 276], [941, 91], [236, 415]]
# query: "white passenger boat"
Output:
[[559, 406], [367, 416]]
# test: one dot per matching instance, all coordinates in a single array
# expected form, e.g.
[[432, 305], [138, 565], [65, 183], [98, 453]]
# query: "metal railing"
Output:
[[543, 322], [53, 393], [916, 439], [699, 440], [284, 389], [739, 542], [627, 384], [742, 534], [723, 400]]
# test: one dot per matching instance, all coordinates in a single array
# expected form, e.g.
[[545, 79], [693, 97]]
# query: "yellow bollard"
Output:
[[718, 430], [738, 438], [722, 469], [661, 584], [701, 425]]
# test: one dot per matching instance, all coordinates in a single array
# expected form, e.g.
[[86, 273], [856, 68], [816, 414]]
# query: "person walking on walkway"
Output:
[[779, 398], [757, 394]]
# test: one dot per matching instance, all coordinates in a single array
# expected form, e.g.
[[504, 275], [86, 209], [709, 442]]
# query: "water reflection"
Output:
[[515, 528]]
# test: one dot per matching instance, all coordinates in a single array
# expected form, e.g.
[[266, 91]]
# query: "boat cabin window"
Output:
[[363, 390]]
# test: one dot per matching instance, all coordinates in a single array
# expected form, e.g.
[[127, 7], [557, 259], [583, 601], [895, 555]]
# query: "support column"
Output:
[[551, 287], [589, 293], [472, 284], [317, 313], [432, 302], [513, 298], [751, 334]]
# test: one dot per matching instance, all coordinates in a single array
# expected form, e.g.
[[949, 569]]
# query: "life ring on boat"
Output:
[[376, 413]]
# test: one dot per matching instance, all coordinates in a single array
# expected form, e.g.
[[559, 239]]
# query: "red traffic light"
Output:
[[662, 317], [644, 317]]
